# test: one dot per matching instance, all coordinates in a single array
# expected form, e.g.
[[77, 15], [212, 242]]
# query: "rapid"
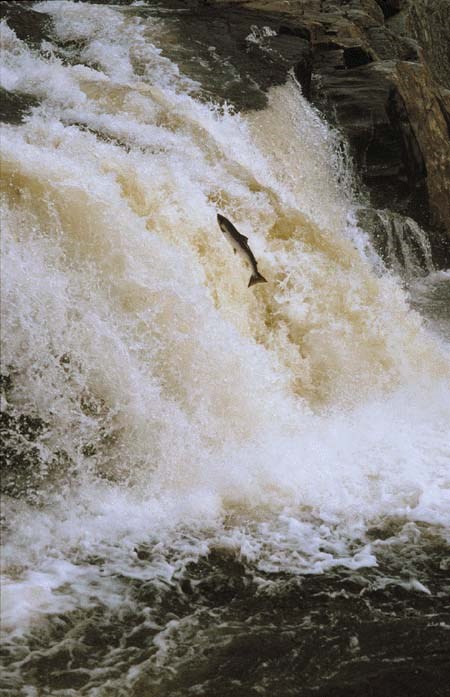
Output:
[[208, 489]]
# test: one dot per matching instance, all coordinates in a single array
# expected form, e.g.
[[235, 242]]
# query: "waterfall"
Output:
[[154, 407]]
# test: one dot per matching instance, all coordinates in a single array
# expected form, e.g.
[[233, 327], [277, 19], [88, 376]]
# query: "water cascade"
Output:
[[176, 442]]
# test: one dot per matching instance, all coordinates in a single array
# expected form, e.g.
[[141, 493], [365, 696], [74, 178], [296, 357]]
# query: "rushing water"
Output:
[[209, 490]]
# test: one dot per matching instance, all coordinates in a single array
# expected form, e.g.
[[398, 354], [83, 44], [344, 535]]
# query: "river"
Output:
[[209, 489]]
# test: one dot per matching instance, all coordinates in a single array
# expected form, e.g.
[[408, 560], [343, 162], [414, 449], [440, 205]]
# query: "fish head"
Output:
[[223, 222]]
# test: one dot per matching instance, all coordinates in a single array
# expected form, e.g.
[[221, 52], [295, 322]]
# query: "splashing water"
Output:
[[157, 410]]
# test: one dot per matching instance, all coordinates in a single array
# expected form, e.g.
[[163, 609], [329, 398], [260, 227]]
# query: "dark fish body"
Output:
[[240, 245]]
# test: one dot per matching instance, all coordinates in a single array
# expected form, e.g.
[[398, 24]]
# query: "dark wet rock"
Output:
[[390, 7], [244, 50], [302, 71], [30, 26], [387, 45], [14, 107], [412, 155], [361, 19], [369, 7], [26, 466], [296, 52], [444, 104], [425, 141], [358, 101], [428, 22], [20, 455], [301, 32]]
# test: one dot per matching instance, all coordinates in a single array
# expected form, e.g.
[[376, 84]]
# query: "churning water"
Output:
[[209, 490]]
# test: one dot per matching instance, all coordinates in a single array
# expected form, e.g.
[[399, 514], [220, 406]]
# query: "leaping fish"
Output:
[[240, 244]]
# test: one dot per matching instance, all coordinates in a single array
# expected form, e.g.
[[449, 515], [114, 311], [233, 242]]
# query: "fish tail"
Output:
[[256, 277]]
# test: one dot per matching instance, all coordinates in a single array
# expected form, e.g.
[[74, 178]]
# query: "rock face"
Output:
[[374, 80], [394, 116], [428, 22], [425, 134]]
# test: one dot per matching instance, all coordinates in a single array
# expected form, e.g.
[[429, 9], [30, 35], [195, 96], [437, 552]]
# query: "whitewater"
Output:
[[166, 423]]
